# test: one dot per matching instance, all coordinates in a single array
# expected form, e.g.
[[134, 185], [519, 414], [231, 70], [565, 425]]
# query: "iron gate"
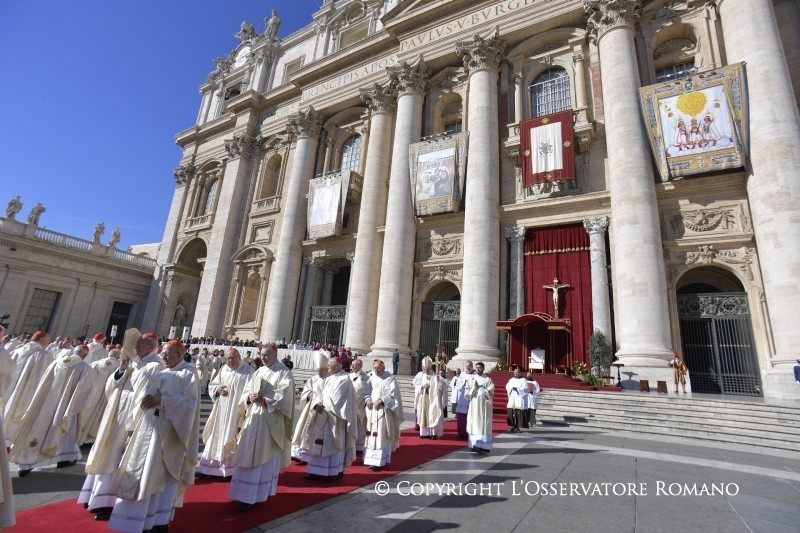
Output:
[[327, 324], [439, 327], [718, 347]]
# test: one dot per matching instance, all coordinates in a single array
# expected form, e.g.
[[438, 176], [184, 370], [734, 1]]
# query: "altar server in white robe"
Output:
[[517, 391], [97, 348], [48, 431], [160, 458], [97, 493], [479, 390], [227, 416], [102, 368], [363, 391], [7, 366], [32, 362], [429, 393], [264, 444], [533, 398], [309, 397], [329, 435], [462, 402], [384, 416]]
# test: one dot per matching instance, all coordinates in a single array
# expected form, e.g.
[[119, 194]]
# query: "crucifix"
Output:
[[555, 287]]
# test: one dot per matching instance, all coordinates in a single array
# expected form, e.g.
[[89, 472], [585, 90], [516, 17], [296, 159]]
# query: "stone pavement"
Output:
[[549, 479]]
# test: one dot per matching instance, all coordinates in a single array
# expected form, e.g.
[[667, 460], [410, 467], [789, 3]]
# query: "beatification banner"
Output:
[[437, 173], [548, 150], [326, 199], [698, 124]]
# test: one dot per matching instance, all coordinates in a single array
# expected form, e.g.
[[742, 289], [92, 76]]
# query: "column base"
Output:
[[650, 365]]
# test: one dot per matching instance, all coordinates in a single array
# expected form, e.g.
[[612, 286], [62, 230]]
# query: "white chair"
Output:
[[536, 361]]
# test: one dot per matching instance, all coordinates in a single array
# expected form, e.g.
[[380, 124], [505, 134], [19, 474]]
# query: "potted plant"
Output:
[[600, 353]]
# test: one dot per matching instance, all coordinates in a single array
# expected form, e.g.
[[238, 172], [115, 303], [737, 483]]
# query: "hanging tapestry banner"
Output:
[[437, 174], [326, 199], [697, 124], [548, 150]]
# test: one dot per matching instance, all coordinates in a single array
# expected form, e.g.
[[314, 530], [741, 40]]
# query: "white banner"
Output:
[[546, 153]]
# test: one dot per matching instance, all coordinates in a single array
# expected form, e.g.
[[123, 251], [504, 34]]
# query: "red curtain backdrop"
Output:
[[561, 252], [532, 176]]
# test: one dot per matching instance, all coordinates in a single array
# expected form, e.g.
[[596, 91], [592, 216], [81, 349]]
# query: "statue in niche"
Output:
[[14, 207], [115, 237], [99, 229], [36, 212], [179, 318], [273, 24]]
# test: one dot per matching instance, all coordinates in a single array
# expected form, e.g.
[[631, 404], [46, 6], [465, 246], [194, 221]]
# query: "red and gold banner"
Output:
[[547, 148]]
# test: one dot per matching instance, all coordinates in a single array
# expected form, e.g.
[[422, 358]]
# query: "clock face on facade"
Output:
[[241, 57]]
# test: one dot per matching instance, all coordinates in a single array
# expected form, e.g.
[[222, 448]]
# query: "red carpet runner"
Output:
[[207, 506]]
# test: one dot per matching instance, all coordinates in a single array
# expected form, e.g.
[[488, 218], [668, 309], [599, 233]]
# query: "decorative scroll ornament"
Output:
[[445, 247], [409, 77], [184, 174], [515, 233], [242, 145], [596, 225], [706, 255], [306, 124], [482, 53], [441, 273], [604, 15], [379, 99]]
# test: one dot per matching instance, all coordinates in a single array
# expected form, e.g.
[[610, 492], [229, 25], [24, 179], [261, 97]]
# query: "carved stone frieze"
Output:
[[724, 219], [305, 124], [379, 98], [439, 247], [482, 53], [441, 273], [604, 15], [242, 145], [739, 258]]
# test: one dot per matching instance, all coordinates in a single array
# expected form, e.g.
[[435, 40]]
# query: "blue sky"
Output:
[[93, 93]]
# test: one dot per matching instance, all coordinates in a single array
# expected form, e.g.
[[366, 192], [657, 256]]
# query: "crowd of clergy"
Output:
[[138, 405]]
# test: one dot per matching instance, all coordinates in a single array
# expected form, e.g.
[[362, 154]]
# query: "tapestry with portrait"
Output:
[[326, 199], [437, 174]]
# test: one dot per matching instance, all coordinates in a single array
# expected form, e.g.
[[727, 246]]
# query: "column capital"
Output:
[[596, 225], [242, 145], [184, 174], [379, 98], [482, 53], [605, 15], [515, 233], [305, 124], [409, 78], [351, 256]]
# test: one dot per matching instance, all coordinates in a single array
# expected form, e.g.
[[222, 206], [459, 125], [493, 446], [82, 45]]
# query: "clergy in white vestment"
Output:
[[479, 390], [145, 368], [461, 401], [160, 458], [102, 368], [97, 494], [6, 493], [309, 397], [7, 368], [517, 391], [428, 395], [32, 362], [363, 390], [264, 444], [533, 398], [48, 431], [227, 415], [329, 436], [97, 348], [384, 416], [12, 343]]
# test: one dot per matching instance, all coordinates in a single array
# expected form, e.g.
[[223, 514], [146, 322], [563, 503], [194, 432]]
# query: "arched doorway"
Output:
[[441, 313], [184, 286], [717, 333]]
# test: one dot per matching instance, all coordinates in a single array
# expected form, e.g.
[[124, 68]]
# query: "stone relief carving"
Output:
[[184, 174], [726, 219], [410, 77], [706, 254], [482, 52], [242, 145], [603, 15]]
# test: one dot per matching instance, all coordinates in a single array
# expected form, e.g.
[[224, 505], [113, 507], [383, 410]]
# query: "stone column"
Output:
[[580, 80], [772, 185], [155, 298], [309, 295], [601, 306], [297, 330], [643, 333], [397, 264], [327, 283], [362, 304], [480, 290], [283, 286], [519, 96], [787, 13], [516, 267], [214, 286]]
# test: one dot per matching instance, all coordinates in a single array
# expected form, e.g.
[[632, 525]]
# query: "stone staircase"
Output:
[[715, 420]]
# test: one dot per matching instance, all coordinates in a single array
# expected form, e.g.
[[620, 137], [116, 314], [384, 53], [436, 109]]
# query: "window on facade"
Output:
[[232, 92], [675, 71], [208, 205], [269, 184], [250, 295], [351, 154], [453, 127], [550, 93], [291, 68], [41, 310]]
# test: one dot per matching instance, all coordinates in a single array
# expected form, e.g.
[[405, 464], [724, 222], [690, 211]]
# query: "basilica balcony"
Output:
[[266, 206], [199, 223]]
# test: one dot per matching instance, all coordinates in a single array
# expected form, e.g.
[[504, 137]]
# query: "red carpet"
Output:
[[207, 506]]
